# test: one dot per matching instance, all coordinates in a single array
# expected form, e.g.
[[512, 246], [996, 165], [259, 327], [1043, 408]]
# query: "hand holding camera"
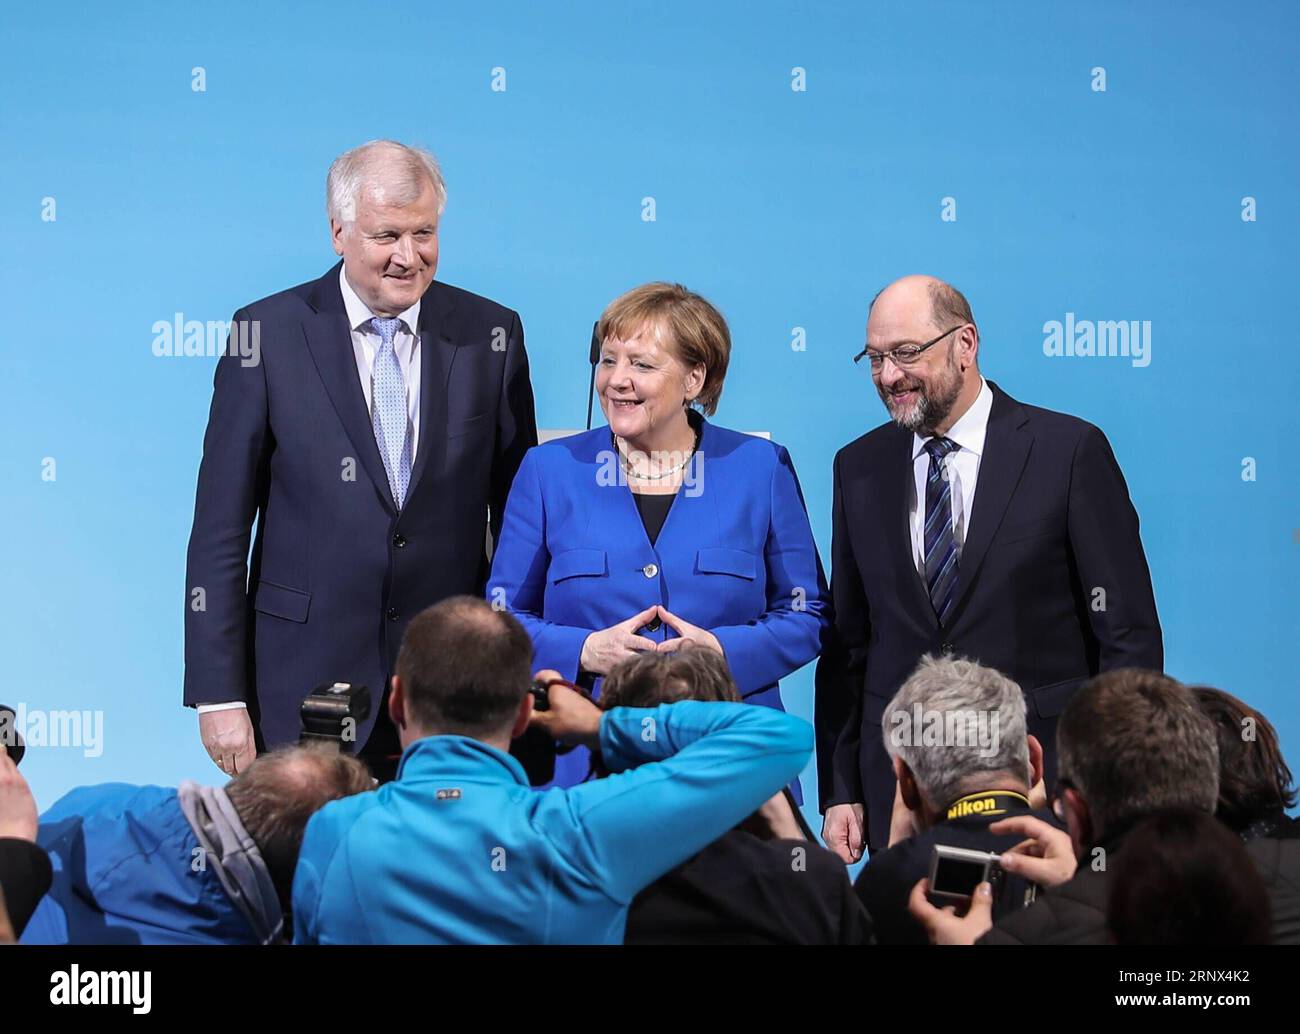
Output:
[[18, 817], [564, 712]]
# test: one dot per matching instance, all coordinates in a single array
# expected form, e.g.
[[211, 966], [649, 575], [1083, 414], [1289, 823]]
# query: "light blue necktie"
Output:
[[388, 411]]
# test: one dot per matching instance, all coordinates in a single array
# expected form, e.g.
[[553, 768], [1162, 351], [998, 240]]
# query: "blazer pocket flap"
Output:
[[467, 425], [723, 560], [281, 602], [574, 563], [1050, 700], [1031, 529]]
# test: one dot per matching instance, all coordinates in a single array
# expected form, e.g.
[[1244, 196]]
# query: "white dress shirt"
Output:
[[963, 472], [365, 346]]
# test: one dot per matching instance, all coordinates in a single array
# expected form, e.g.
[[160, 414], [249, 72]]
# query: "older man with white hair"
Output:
[[965, 764], [372, 430]]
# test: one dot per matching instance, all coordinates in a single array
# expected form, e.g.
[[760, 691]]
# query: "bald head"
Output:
[[280, 791], [918, 293]]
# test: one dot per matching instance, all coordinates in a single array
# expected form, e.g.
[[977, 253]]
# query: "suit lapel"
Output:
[[437, 354], [329, 339], [1006, 450], [898, 506]]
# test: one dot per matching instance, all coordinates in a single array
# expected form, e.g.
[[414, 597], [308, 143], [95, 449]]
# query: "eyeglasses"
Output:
[[903, 355]]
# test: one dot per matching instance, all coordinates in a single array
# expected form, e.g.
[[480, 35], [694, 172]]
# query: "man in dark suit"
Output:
[[375, 422], [970, 524]]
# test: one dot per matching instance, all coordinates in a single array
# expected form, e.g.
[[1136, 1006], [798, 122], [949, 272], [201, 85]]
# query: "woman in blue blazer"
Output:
[[662, 528]]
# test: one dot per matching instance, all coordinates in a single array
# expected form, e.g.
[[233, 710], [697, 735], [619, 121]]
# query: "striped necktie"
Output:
[[941, 568]]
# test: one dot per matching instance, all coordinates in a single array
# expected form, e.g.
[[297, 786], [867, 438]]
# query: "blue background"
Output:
[[787, 209]]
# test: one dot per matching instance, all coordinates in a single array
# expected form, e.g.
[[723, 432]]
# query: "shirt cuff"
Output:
[[206, 708]]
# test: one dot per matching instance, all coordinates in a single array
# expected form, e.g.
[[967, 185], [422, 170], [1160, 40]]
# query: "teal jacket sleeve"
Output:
[[307, 884], [320, 857], [700, 769]]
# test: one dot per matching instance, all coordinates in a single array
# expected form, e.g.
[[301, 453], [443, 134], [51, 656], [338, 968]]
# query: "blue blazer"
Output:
[[735, 555]]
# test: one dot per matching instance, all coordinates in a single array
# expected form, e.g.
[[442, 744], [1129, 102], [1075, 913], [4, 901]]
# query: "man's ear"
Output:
[[907, 785], [1035, 761], [968, 344], [522, 717], [336, 235], [1078, 820], [397, 703]]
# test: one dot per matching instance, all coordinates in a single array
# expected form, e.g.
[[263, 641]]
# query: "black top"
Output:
[[743, 890], [654, 511]]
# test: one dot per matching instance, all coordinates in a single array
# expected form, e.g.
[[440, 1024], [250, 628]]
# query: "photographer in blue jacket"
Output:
[[460, 849]]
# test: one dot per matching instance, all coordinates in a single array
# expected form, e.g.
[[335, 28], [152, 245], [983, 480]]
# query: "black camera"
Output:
[[9, 738], [955, 872], [541, 695], [331, 714]]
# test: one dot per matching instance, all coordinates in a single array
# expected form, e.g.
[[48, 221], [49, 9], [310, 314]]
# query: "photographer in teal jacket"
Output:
[[460, 849]]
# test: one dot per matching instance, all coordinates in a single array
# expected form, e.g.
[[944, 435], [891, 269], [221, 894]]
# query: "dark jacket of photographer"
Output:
[[742, 889], [1075, 912], [886, 881]]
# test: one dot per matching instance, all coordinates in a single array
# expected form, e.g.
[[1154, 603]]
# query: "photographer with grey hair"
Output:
[[1133, 744], [965, 764]]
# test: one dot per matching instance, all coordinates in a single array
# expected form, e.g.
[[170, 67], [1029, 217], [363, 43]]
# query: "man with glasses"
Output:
[[970, 524]]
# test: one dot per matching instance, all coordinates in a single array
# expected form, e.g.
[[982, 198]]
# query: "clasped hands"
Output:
[[602, 650]]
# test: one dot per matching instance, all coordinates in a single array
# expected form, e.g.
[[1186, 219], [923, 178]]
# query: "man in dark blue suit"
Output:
[[379, 424], [970, 525]]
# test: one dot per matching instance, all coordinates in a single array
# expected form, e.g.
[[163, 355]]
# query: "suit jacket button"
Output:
[[392, 613], [650, 570], [946, 649], [655, 625], [399, 540]]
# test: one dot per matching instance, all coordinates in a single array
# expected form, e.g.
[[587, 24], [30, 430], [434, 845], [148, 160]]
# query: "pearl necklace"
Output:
[[623, 460]]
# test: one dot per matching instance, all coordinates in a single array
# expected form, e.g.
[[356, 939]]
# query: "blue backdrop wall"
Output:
[[1110, 160]]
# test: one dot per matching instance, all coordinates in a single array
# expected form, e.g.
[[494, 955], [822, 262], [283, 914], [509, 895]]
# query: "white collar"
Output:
[[359, 313], [971, 427]]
